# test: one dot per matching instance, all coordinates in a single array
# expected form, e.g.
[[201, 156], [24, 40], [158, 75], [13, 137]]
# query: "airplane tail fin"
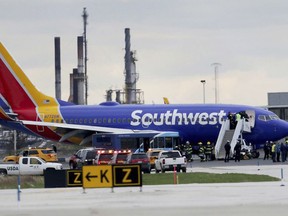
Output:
[[166, 101], [16, 90]]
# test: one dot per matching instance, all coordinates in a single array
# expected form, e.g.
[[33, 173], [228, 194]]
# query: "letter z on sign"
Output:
[[97, 176], [127, 175]]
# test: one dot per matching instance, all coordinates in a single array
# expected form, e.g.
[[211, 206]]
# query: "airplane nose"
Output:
[[281, 129]]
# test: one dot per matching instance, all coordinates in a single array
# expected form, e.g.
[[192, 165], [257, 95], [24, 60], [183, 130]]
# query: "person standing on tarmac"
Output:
[[273, 152], [188, 151], [208, 151], [54, 148], [283, 152], [237, 150], [278, 151], [286, 145], [227, 151], [266, 150], [201, 152]]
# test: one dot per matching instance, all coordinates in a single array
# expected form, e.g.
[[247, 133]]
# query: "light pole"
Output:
[[216, 66], [203, 82]]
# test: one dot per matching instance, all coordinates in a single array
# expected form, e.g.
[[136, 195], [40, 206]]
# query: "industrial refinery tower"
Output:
[[79, 78], [130, 95], [131, 76]]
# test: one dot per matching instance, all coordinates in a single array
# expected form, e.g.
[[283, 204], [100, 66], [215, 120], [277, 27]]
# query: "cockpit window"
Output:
[[262, 118], [274, 117], [268, 117]]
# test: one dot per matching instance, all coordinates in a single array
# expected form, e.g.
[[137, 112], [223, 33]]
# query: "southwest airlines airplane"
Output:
[[24, 108]]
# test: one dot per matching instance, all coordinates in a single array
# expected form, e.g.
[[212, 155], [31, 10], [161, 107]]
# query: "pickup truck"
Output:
[[28, 166], [167, 160]]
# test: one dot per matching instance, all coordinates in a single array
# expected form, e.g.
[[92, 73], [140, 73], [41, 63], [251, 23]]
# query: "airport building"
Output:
[[278, 103]]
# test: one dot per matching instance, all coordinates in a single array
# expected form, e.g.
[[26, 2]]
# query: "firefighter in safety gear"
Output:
[[208, 151], [188, 151], [201, 152]]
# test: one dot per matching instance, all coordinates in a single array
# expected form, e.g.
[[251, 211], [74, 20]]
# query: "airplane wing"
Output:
[[82, 132]]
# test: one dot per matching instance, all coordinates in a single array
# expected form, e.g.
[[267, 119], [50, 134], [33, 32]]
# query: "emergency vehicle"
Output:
[[104, 157], [120, 157]]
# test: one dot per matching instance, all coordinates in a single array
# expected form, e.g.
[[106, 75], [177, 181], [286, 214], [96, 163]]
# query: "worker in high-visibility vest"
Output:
[[208, 151], [201, 152], [237, 117], [188, 151], [273, 151]]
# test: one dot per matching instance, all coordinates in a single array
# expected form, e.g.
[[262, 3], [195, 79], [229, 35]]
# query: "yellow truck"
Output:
[[47, 154]]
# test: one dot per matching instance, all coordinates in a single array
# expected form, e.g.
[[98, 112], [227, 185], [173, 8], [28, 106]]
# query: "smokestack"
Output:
[[70, 99], [57, 68], [118, 92], [109, 95], [80, 54], [128, 84], [130, 71], [75, 86], [80, 77], [85, 17]]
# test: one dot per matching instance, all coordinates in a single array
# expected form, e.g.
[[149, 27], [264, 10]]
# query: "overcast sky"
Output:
[[176, 43]]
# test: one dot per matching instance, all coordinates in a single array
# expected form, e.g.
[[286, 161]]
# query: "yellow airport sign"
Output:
[[127, 175], [97, 176], [74, 178]]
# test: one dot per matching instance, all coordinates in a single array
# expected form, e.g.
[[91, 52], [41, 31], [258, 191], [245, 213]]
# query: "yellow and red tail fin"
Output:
[[19, 93], [166, 101]]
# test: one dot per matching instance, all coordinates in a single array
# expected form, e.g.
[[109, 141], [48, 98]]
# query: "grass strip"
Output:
[[192, 178], [10, 182]]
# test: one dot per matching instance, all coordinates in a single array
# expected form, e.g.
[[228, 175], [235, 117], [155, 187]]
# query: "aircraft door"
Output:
[[251, 115]]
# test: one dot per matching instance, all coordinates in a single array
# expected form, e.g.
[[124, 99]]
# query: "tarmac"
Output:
[[265, 198]]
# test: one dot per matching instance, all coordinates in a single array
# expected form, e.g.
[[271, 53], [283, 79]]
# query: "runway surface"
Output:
[[264, 198]]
